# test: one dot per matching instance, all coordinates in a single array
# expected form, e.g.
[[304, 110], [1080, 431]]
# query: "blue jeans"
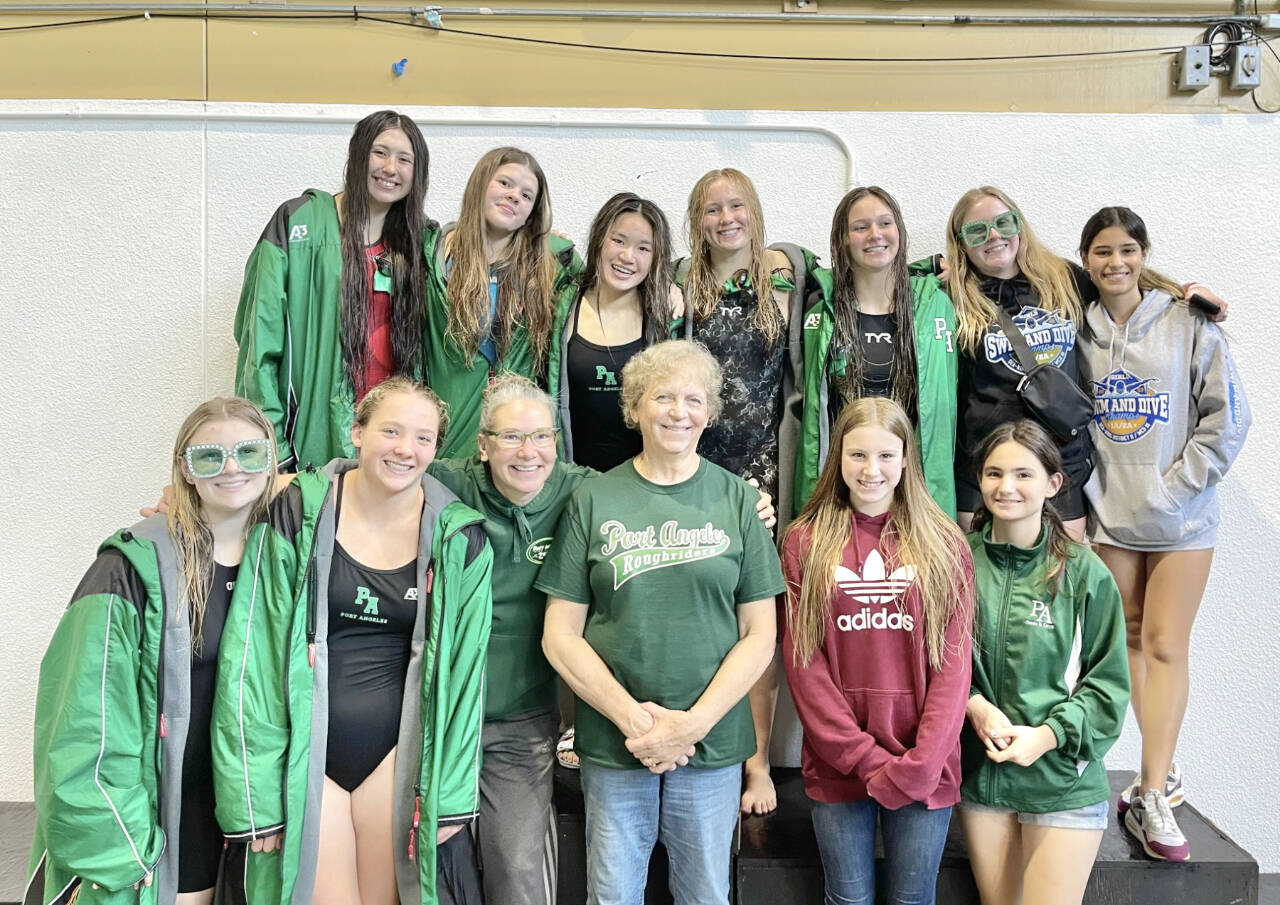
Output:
[[913, 839], [692, 810]]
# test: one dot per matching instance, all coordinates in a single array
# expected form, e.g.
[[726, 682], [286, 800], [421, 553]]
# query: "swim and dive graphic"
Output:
[[1126, 406], [1049, 336]]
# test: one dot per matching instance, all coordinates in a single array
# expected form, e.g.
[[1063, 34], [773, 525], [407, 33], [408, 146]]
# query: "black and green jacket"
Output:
[[289, 330], [461, 384], [937, 367], [520, 680], [270, 717], [1053, 658], [112, 707]]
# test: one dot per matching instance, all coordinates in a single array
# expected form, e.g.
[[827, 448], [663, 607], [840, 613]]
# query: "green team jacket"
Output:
[[1055, 660], [112, 708], [937, 373], [288, 328], [460, 383], [270, 717], [521, 681]]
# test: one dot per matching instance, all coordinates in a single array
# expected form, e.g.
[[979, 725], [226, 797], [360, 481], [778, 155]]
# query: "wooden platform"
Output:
[[777, 860]]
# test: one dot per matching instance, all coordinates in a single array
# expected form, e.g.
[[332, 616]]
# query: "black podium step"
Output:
[[777, 859]]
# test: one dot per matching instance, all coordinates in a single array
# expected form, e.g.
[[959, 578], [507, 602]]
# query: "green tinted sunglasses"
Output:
[[975, 232], [207, 460]]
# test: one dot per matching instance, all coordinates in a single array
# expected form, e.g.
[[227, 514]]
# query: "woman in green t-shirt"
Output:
[[660, 616]]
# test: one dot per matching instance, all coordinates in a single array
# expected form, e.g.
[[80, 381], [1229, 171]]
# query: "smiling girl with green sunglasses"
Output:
[[126, 688]]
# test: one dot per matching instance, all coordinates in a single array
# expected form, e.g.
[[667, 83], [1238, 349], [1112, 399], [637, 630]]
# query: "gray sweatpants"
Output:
[[518, 839]]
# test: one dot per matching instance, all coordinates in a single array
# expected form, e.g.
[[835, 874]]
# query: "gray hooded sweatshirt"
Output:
[[1169, 418]]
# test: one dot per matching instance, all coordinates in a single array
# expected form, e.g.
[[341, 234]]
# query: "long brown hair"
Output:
[[844, 303], [1035, 440], [701, 291], [655, 291], [402, 231], [187, 522], [1050, 276], [526, 271], [921, 535], [1132, 224]]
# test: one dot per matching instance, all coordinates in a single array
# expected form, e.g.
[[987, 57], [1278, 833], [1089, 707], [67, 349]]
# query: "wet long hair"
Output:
[[187, 521], [701, 291], [655, 291], [1049, 275], [917, 532], [402, 233], [844, 303], [526, 272], [1035, 440], [1133, 225]]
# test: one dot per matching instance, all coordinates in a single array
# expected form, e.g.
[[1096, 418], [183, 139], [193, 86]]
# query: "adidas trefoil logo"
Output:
[[875, 588]]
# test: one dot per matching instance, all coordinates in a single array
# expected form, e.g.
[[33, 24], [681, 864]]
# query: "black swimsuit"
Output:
[[595, 401], [371, 616], [199, 836]]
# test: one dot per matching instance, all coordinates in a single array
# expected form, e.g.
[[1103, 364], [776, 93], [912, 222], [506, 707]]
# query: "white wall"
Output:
[[122, 241]]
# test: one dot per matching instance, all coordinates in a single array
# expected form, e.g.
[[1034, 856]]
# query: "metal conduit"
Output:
[[81, 113], [431, 12]]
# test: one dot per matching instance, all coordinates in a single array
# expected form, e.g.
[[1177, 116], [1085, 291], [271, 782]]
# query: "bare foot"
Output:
[[564, 750], [759, 797]]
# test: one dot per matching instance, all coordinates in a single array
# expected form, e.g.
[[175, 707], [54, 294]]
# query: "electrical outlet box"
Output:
[[1191, 68], [1246, 67]]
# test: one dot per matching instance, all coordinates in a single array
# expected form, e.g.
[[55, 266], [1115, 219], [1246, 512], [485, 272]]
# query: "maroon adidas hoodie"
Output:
[[879, 722]]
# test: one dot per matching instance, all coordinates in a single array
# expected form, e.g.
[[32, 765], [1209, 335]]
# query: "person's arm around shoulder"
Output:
[[96, 811]]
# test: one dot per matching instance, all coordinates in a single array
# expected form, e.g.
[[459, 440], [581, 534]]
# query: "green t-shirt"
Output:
[[663, 569]]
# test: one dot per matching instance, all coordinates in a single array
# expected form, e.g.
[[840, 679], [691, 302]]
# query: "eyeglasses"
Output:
[[207, 460], [515, 439], [975, 232]]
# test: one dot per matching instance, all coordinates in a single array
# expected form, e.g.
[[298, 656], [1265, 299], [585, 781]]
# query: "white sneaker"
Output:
[[1151, 821], [1173, 790]]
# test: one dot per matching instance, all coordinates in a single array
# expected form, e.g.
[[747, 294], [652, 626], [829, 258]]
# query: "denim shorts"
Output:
[[1089, 817]]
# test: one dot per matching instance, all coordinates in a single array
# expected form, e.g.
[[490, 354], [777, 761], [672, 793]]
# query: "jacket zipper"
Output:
[[435, 669], [998, 683], [311, 658]]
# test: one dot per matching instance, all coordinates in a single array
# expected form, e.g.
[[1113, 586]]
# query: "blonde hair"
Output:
[[921, 534], [375, 397], [511, 387], [526, 273], [187, 522], [674, 359], [701, 291], [1050, 276]]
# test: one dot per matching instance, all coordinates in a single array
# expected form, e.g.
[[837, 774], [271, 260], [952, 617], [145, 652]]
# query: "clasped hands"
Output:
[[662, 739], [1005, 741]]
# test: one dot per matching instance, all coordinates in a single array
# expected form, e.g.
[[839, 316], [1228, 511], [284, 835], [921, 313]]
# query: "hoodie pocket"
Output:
[[1142, 513], [890, 717]]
